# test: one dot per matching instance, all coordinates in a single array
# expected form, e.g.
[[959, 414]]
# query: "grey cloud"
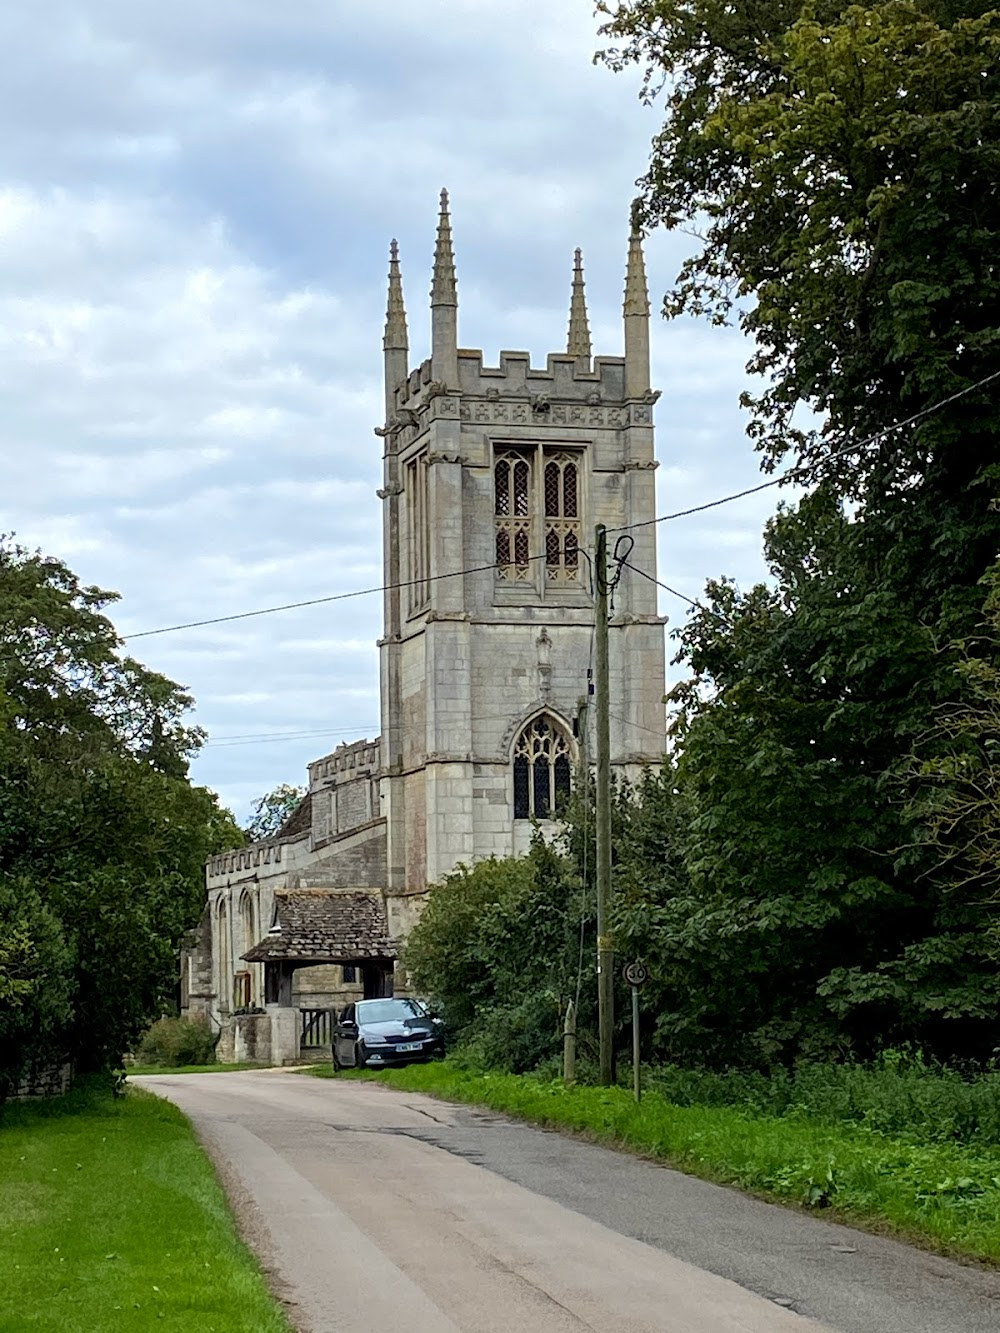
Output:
[[195, 202]]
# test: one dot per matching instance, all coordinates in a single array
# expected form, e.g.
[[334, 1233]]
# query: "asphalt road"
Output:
[[373, 1209]]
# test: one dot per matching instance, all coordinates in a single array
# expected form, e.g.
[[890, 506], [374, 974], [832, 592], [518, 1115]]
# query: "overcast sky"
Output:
[[196, 202]]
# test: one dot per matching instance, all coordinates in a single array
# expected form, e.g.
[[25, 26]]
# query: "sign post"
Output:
[[635, 974]]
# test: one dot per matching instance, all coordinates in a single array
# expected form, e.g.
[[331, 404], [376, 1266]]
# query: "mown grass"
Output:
[[946, 1196], [111, 1218]]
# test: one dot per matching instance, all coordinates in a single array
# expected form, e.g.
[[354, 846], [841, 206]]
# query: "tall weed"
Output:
[[900, 1094]]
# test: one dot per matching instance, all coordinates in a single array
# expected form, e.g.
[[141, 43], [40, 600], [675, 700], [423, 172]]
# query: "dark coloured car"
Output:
[[378, 1033]]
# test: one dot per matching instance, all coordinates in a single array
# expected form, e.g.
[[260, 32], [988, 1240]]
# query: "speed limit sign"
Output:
[[635, 973]]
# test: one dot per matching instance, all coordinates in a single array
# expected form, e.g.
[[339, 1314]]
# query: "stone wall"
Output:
[[252, 1039], [355, 861], [45, 1081]]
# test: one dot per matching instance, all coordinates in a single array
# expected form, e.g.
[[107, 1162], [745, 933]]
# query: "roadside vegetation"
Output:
[[812, 877], [111, 1217], [174, 1042], [103, 837], [912, 1180]]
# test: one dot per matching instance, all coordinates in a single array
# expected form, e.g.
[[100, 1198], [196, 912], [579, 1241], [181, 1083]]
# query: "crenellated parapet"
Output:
[[516, 393], [571, 389], [349, 761], [245, 858]]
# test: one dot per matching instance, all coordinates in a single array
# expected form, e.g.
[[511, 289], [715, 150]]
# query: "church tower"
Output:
[[494, 479]]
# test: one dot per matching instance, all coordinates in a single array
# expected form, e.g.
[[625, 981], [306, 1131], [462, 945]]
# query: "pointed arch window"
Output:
[[562, 513], [224, 979], [243, 995], [512, 491], [537, 507], [542, 768]]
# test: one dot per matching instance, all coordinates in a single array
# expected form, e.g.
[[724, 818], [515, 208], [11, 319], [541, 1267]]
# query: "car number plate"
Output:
[[409, 1046]]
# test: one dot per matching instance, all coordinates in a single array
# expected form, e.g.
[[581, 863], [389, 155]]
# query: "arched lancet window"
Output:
[[248, 923], [541, 769], [562, 528], [512, 506], [225, 980], [243, 981]]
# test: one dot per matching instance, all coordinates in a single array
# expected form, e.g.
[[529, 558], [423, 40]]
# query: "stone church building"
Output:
[[494, 478]]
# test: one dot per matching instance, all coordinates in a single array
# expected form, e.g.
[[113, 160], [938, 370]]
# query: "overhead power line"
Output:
[[809, 468], [790, 475], [317, 601], [698, 606]]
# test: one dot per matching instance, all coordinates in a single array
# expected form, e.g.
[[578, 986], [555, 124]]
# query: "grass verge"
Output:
[[946, 1197], [111, 1218]]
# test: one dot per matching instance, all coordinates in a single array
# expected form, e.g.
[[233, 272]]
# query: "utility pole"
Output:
[[605, 953]]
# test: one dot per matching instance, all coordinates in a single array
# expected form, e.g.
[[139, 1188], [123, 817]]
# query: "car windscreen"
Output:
[[389, 1011]]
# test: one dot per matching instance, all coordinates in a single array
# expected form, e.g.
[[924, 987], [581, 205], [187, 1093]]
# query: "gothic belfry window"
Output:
[[537, 491], [512, 507], [541, 769], [562, 512]]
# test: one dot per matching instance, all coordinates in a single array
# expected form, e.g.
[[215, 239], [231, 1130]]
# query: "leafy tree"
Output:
[[954, 787], [102, 836], [843, 160], [498, 945], [35, 982], [812, 894], [272, 810], [841, 164]]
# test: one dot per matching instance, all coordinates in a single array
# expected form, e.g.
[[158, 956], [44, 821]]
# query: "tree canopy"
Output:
[[814, 871], [841, 165], [270, 811], [102, 835]]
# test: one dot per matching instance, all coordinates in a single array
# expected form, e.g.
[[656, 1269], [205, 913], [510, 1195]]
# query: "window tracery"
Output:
[[512, 507], [542, 769], [537, 489]]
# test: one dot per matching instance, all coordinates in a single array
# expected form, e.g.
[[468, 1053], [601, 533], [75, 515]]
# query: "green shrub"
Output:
[[171, 1042], [899, 1094], [515, 1037]]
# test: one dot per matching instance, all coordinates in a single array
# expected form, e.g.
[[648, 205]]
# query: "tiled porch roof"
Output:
[[325, 926]]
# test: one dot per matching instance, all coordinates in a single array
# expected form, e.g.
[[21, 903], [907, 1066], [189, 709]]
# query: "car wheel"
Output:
[[360, 1055]]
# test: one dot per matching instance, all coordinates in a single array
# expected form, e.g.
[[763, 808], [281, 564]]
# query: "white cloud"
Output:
[[195, 202]]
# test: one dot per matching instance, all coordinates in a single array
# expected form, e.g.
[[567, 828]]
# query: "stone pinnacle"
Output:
[[443, 288], [578, 341]]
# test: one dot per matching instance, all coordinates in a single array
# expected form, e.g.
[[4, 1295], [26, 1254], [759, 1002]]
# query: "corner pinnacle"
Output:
[[443, 288], [395, 311], [636, 291], [578, 340]]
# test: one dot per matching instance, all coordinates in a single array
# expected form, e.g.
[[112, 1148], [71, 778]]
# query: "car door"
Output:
[[344, 1036]]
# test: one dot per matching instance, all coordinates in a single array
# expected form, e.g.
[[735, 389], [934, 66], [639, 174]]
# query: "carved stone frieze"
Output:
[[440, 457], [641, 465], [496, 411], [443, 405]]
